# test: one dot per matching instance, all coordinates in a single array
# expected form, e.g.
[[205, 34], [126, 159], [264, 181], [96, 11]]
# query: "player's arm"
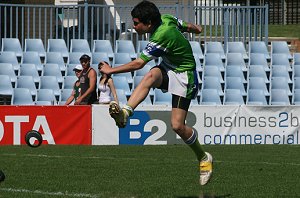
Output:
[[193, 28], [128, 67]]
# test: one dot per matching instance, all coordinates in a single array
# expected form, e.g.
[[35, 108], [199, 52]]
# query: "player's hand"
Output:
[[105, 68], [78, 101]]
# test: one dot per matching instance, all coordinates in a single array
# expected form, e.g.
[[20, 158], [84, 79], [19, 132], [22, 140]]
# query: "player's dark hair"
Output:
[[147, 13]]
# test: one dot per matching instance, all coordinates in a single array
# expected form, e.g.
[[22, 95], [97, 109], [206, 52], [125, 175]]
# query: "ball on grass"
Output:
[[31, 137]]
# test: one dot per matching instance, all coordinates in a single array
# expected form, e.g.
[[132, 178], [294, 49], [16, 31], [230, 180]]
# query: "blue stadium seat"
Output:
[[280, 47], [258, 71], [65, 94], [233, 97], [10, 57], [120, 82], [6, 90], [33, 58], [258, 83], [103, 46], [235, 59], [213, 71], [199, 66], [53, 70], [210, 82], [7, 69], [256, 97], [69, 81], [279, 97], [58, 45], [280, 59], [161, 98], [259, 59], [50, 82], [121, 58], [56, 58], [121, 96], [126, 46], [215, 47], [27, 82], [12, 45], [22, 96], [280, 83], [44, 96], [296, 85], [233, 71], [197, 49], [281, 71], [296, 59], [259, 47], [80, 45], [296, 71], [30, 70], [146, 101], [214, 59], [35, 45], [237, 47], [141, 45], [210, 97], [296, 98], [235, 83]]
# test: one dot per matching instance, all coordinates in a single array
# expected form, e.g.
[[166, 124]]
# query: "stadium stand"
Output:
[[220, 72]]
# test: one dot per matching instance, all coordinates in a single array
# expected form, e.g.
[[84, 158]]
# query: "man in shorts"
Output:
[[175, 74]]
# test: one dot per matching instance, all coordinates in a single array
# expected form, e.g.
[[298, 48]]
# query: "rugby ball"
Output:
[[32, 137]]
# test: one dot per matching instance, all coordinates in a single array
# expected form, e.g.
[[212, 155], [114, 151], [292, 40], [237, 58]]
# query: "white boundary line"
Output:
[[63, 194]]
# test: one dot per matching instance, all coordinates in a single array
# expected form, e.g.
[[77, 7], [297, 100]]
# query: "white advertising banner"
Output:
[[214, 125]]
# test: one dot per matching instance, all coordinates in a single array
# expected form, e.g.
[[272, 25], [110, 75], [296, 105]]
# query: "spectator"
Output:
[[76, 87], [106, 89], [88, 80]]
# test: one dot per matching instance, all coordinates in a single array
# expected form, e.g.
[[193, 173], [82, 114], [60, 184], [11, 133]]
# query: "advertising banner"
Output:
[[57, 124], [214, 125]]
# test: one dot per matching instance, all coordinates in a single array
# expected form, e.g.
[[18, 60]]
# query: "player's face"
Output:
[[140, 27]]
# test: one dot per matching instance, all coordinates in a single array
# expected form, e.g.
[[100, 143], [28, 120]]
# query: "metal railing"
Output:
[[95, 22]]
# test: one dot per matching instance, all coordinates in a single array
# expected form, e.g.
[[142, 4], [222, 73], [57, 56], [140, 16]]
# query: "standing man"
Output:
[[88, 80], [175, 74]]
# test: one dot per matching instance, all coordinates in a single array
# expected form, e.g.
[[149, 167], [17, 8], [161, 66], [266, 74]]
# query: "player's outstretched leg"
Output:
[[118, 114], [206, 166]]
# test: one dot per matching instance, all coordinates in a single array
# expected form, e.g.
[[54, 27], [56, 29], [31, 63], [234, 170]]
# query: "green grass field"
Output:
[[148, 171]]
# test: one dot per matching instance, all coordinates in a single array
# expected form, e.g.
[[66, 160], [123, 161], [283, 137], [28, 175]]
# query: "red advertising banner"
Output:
[[57, 124]]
